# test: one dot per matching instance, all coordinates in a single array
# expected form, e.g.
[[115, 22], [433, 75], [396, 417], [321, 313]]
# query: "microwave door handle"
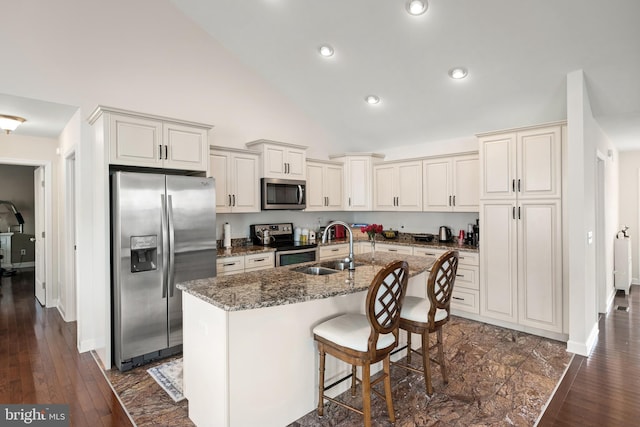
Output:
[[300, 194]]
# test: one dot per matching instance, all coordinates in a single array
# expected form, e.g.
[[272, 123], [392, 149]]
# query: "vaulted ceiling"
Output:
[[517, 54]]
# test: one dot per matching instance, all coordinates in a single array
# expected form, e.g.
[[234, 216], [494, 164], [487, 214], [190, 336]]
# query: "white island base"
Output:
[[259, 367]]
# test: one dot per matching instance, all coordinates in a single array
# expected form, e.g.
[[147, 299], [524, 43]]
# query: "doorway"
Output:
[[45, 204], [600, 235]]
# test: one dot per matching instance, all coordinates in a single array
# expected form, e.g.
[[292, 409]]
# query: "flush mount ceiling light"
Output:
[[325, 50], [458, 73], [372, 99], [10, 123], [417, 7]]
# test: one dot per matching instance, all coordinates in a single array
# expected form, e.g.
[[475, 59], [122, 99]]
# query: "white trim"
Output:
[[555, 389], [48, 218], [584, 348]]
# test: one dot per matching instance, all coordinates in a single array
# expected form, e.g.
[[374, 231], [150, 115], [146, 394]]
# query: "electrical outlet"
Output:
[[23, 251]]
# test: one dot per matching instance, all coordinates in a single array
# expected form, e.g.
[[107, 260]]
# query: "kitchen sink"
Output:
[[316, 271], [337, 264]]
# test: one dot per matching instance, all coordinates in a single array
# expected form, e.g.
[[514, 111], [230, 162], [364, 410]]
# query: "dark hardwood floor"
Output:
[[604, 389], [39, 362]]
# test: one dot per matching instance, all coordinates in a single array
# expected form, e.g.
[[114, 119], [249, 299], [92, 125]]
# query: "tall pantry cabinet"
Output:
[[520, 226]]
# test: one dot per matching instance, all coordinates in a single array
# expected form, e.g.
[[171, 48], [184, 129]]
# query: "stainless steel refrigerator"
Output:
[[163, 233]]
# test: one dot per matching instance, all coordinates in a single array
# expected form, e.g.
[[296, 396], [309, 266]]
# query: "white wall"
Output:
[[629, 175], [586, 139]]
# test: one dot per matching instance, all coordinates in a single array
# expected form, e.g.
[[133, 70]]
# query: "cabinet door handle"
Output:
[[454, 200], [234, 200], [349, 201], [160, 152], [513, 185], [230, 200], [449, 200], [519, 212], [518, 185], [513, 212]]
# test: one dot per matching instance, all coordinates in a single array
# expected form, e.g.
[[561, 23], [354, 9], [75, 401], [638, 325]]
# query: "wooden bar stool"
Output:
[[424, 316], [361, 339]]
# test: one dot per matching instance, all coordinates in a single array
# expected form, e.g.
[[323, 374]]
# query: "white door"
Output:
[[38, 183]]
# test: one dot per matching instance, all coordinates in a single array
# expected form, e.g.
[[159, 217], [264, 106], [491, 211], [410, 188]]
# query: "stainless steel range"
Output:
[[280, 237]]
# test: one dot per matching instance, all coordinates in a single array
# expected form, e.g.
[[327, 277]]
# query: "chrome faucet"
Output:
[[348, 259]]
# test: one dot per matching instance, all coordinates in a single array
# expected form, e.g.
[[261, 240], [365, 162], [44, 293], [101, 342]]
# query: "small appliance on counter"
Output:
[[445, 234], [473, 234]]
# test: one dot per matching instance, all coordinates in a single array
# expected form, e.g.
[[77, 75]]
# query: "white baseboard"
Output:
[[86, 345], [584, 348]]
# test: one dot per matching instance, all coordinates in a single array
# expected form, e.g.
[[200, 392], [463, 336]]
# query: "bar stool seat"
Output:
[[352, 331]]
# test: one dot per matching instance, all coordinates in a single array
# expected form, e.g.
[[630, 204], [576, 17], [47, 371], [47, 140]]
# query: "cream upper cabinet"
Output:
[[324, 185], [397, 186], [450, 184], [237, 179], [525, 163], [136, 139], [281, 160], [358, 178]]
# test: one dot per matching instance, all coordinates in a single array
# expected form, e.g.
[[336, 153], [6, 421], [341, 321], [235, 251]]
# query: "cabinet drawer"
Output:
[[467, 277], [465, 300], [231, 265], [258, 261], [427, 252], [404, 250], [469, 258], [334, 251]]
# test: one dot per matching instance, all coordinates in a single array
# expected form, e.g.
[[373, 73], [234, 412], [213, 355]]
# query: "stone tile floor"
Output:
[[497, 377]]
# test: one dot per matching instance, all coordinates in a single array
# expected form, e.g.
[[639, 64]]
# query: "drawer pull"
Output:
[[392, 250], [335, 250], [458, 298], [228, 264], [459, 275], [259, 260]]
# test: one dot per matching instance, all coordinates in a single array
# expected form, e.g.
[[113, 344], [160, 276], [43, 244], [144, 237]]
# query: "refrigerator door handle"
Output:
[[171, 275], [165, 245]]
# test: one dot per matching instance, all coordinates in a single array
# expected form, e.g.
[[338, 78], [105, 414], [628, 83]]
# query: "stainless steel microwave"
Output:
[[279, 194]]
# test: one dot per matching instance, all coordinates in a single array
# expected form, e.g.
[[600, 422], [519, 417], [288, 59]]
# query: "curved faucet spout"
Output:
[[349, 259]]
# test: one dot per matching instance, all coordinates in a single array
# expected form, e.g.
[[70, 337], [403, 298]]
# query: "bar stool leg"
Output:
[[387, 388], [366, 394], [321, 381], [353, 380], [408, 347], [443, 369], [426, 363]]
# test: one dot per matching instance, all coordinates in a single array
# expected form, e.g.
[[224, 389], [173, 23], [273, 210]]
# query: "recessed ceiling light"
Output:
[[372, 99], [325, 50], [458, 73], [417, 7]]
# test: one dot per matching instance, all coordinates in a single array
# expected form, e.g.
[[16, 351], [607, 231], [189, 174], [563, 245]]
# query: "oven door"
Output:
[[296, 256]]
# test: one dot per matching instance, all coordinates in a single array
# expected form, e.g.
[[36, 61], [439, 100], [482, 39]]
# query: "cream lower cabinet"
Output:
[[465, 297], [398, 249], [324, 185], [521, 262], [244, 263], [237, 180], [334, 251], [230, 265]]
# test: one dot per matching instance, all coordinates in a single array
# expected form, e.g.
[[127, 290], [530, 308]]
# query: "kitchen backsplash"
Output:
[[405, 222]]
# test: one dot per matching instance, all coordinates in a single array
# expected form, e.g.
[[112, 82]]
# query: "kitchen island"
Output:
[[249, 354]]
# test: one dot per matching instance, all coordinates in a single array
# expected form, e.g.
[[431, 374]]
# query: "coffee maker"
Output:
[[473, 234]]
